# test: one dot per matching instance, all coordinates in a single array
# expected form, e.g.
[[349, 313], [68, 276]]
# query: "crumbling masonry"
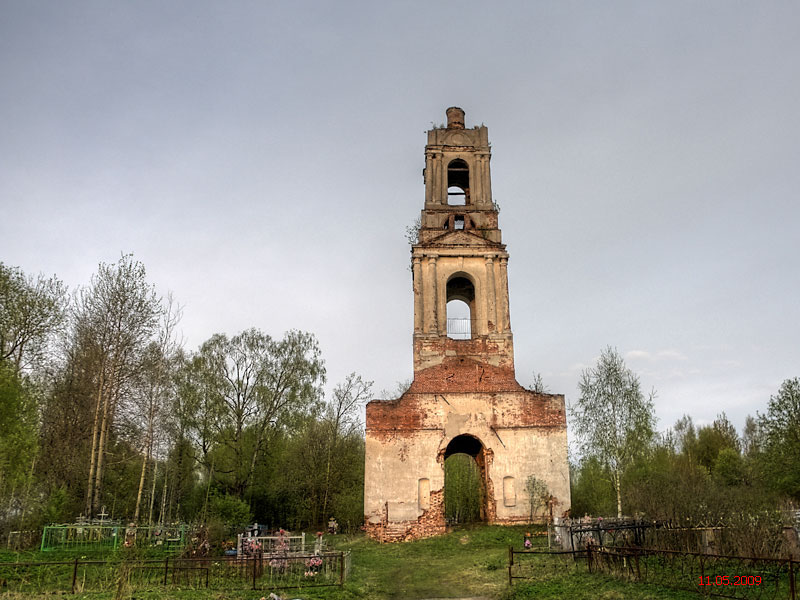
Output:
[[464, 397]]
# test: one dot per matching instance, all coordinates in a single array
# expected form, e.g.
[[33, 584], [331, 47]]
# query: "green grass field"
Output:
[[467, 562]]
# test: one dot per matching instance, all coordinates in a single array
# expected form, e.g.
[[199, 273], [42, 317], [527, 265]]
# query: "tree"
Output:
[[685, 436], [18, 433], [751, 437], [31, 310], [537, 385], [612, 418], [538, 494], [341, 419], [780, 428], [711, 440], [256, 384], [591, 490], [154, 387], [113, 319]]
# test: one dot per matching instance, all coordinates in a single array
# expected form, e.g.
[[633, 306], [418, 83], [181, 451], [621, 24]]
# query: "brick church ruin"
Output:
[[464, 397]]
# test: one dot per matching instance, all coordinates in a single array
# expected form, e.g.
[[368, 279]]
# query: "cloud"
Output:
[[671, 355], [660, 355]]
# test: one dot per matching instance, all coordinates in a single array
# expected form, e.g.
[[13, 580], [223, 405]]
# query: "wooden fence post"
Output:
[[510, 562], [341, 568], [792, 589]]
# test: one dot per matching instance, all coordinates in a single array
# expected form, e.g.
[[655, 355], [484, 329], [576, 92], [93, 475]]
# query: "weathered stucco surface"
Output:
[[461, 387]]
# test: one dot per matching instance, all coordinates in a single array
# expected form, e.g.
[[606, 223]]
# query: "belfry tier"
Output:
[[459, 264]]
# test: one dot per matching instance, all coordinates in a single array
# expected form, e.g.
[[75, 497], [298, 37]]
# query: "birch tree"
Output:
[[341, 420], [155, 386], [113, 319], [612, 419]]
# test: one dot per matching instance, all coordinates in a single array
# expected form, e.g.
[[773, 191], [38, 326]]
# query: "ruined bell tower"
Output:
[[464, 397]]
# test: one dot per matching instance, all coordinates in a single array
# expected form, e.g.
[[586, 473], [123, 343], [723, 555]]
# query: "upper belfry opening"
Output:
[[458, 182], [457, 165]]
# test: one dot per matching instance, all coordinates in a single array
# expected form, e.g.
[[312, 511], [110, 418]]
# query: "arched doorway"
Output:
[[465, 480]]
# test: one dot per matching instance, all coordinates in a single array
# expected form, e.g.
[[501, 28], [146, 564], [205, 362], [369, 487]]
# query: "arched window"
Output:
[[457, 182], [460, 307]]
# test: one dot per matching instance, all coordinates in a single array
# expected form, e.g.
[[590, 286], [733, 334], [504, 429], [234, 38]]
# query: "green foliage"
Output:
[[30, 312], [780, 428], [240, 389], [56, 509], [18, 428], [348, 507], [231, 511], [665, 485], [591, 488], [729, 467], [537, 385], [463, 489], [538, 495], [712, 440]]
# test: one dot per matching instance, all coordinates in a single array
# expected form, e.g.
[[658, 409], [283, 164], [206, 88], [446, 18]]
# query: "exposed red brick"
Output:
[[456, 374], [429, 524]]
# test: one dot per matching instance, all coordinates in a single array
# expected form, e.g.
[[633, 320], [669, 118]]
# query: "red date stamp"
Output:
[[730, 580]]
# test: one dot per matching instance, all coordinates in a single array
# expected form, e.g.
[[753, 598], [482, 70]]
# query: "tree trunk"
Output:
[[109, 409], [26, 499], [208, 491], [328, 474], [101, 448], [145, 461], [161, 519], [93, 456], [619, 494], [249, 478], [152, 493], [141, 487]]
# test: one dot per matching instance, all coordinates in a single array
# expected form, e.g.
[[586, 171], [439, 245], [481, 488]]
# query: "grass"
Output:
[[467, 562]]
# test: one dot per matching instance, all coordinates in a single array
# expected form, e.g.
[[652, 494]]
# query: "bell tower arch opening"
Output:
[[465, 480], [460, 307], [457, 182]]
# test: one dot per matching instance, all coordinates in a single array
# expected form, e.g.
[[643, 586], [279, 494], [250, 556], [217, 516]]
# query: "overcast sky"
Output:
[[263, 160]]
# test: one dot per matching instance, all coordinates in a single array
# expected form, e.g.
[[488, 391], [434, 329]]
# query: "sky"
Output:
[[263, 160]]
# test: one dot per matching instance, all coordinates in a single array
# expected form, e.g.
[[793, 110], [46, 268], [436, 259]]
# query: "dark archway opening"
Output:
[[457, 182], [464, 480]]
